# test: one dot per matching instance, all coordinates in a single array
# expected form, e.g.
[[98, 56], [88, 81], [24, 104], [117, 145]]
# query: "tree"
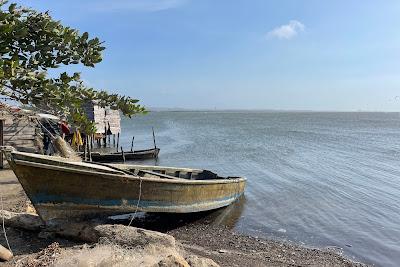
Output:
[[31, 43]]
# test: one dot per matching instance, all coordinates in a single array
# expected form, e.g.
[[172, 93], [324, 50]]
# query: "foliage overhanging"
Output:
[[31, 43]]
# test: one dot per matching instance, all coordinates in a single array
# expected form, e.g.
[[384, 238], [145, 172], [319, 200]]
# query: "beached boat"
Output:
[[59, 188], [124, 156]]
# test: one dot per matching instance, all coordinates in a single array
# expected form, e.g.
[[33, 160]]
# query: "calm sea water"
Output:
[[320, 179]]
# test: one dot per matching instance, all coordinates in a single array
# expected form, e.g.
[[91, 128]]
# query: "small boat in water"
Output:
[[63, 189], [124, 156]]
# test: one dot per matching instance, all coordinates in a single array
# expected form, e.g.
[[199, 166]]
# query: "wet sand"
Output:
[[194, 233]]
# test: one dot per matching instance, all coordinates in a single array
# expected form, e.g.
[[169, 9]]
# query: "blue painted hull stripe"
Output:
[[43, 198]]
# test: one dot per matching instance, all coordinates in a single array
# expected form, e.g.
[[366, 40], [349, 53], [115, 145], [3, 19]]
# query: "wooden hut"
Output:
[[108, 121], [19, 128]]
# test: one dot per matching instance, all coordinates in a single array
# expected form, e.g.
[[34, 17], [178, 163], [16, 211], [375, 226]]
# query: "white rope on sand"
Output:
[[3, 224], [137, 204]]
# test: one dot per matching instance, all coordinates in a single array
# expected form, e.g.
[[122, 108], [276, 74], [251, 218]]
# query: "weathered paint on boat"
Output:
[[62, 189], [129, 155]]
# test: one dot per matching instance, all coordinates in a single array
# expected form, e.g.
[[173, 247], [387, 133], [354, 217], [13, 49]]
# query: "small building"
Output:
[[108, 121], [23, 129], [19, 129]]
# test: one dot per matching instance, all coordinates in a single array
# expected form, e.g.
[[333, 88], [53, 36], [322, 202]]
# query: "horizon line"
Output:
[[177, 109]]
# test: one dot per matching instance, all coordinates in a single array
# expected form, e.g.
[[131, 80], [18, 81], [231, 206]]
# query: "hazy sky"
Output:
[[250, 54]]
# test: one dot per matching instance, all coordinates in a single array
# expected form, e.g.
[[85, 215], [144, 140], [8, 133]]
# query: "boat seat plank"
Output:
[[155, 174]]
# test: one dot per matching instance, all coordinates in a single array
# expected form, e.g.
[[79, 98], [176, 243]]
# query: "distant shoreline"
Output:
[[263, 110]]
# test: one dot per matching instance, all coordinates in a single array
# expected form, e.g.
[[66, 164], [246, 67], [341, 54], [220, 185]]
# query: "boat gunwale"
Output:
[[134, 152], [135, 166], [126, 176], [139, 152], [125, 167]]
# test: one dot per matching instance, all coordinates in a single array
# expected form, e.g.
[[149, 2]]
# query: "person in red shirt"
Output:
[[64, 128]]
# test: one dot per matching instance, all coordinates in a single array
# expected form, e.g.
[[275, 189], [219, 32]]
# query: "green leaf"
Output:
[[85, 36], [11, 8]]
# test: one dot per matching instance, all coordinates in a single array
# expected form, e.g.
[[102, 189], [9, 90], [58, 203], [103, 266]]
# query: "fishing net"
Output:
[[60, 145], [65, 150], [116, 256]]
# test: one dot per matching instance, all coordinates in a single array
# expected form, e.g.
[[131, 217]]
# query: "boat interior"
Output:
[[135, 170]]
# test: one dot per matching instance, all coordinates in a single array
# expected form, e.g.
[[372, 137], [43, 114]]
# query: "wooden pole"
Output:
[[105, 136], [123, 154], [87, 145], [154, 138], [91, 141], [117, 141], [90, 148], [85, 149], [133, 138], [1, 143], [108, 133]]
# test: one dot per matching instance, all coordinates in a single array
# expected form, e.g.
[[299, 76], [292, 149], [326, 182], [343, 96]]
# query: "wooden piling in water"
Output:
[[90, 147], [117, 141], [123, 154], [85, 149], [133, 138], [154, 141], [154, 138], [105, 137]]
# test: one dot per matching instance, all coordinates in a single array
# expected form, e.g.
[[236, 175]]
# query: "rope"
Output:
[[137, 204], [44, 128], [3, 224]]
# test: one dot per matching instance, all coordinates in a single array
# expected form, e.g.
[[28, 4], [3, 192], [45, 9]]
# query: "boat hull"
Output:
[[62, 191], [127, 156]]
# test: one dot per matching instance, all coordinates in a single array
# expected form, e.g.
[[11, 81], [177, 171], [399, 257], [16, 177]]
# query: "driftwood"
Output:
[[27, 221], [5, 254]]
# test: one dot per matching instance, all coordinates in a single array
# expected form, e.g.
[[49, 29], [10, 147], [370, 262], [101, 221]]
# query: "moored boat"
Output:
[[124, 156], [63, 189]]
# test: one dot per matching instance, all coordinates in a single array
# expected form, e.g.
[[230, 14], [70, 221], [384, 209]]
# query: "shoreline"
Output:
[[222, 245]]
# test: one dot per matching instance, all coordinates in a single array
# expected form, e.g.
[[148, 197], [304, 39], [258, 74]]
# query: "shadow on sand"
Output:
[[164, 222]]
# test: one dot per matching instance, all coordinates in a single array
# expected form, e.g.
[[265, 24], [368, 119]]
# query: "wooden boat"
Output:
[[61, 189], [124, 156]]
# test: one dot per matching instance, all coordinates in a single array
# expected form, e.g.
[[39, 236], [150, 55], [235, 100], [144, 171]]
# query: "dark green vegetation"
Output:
[[31, 43]]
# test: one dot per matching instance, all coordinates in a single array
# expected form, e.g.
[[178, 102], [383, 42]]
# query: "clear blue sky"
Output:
[[244, 54]]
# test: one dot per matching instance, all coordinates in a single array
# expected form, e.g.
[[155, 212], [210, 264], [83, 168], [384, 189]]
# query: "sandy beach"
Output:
[[194, 235]]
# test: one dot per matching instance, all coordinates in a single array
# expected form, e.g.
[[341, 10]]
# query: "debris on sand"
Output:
[[119, 246], [5, 254], [45, 257]]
